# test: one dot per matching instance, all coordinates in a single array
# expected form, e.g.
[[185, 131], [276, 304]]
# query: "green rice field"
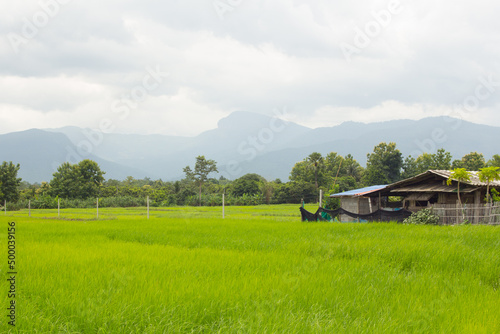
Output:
[[259, 270]]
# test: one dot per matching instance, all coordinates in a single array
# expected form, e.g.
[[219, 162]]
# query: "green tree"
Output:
[[334, 163], [315, 162], [489, 174], [425, 162], [383, 165], [65, 182], [472, 162], [202, 169], [459, 175], [301, 173], [442, 160], [82, 180], [410, 167], [494, 161], [346, 183], [312, 169], [91, 178], [352, 168], [374, 176], [249, 184], [9, 182]]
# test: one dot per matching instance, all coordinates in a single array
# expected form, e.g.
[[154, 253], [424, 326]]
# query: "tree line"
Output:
[[78, 185]]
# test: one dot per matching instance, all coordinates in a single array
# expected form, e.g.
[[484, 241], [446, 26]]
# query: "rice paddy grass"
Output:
[[259, 270]]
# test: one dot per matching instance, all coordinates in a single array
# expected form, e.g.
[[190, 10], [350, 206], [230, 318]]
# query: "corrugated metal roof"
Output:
[[424, 188], [359, 192], [474, 180], [445, 174]]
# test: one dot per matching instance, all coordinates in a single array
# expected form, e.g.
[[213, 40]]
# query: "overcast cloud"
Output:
[[75, 62]]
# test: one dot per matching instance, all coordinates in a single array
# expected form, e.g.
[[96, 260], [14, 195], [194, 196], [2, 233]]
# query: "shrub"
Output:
[[423, 217]]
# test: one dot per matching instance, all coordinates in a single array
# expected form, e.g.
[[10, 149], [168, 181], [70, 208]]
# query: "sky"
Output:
[[177, 67]]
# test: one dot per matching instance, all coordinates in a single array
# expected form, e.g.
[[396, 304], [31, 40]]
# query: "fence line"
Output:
[[451, 214]]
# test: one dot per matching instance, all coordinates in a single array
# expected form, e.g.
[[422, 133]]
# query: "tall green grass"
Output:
[[260, 270]]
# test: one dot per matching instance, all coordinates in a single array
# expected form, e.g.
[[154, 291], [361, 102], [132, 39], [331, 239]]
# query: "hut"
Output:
[[431, 188], [360, 201]]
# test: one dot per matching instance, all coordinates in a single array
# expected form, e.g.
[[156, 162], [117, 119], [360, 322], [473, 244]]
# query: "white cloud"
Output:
[[263, 55]]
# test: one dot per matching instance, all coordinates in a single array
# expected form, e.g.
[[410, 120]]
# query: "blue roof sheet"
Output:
[[359, 192]]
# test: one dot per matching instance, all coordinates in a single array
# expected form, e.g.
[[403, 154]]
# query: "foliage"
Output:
[[332, 169], [248, 184], [383, 165], [489, 174], [352, 168], [294, 192], [316, 162], [494, 161], [9, 182], [82, 180], [202, 169], [441, 160], [410, 168], [332, 203], [495, 196], [312, 170], [459, 175], [472, 162], [422, 217], [198, 187]]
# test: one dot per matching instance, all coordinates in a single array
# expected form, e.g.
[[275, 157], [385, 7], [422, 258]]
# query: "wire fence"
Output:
[[91, 208], [449, 214]]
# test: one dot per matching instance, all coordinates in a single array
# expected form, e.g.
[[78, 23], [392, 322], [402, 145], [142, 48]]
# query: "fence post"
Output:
[[490, 212], [97, 207], [58, 208], [321, 198], [223, 211]]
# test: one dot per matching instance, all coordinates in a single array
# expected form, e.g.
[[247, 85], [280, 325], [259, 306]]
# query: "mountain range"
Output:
[[242, 143]]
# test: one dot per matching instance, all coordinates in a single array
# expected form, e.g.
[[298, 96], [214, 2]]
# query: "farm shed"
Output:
[[360, 201], [430, 188]]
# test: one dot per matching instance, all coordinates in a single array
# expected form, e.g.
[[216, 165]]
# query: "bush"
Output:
[[43, 202], [423, 217], [14, 206]]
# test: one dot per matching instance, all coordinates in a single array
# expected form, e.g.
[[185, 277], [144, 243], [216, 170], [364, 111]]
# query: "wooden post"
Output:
[[148, 205], [358, 210], [321, 198], [223, 209]]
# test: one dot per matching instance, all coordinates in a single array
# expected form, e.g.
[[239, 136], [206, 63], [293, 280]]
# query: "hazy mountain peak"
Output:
[[254, 141], [243, 119]]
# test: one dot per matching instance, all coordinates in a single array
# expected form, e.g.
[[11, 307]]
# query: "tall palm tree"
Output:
[[315, 162]]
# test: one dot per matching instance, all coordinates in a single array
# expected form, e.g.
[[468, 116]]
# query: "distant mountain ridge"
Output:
[[242, 143]]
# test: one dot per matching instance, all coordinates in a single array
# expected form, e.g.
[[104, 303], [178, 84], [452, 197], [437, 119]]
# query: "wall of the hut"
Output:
[[351, 204]]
